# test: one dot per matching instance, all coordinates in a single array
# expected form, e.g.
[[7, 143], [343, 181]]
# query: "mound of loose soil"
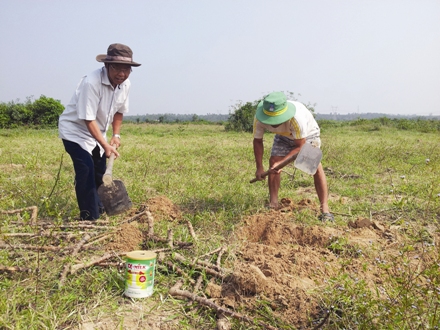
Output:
[[128, 238], [282, 262], [163, 209], [279, 261]]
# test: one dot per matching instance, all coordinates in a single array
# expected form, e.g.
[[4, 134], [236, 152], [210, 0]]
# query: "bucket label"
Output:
[[139, 278]]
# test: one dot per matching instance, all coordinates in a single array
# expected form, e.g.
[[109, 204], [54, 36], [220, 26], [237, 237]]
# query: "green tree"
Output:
[[43, 112], [46, 111], [241, 119], [5, 119], [16, 114]]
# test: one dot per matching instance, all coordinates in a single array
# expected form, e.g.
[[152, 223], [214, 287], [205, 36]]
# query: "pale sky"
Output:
[[202, 57]]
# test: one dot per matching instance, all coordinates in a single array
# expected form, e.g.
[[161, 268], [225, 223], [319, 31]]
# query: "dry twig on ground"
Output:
[[99, 239], [34, 213], [191, 230], [175, 243], [198, 283], [175, 291], [15, 269], [32, 247], [205, 264], [82, 226], [150, 223], [75, 251], [170, 238], [201, 265], [210, 253], [219, 257], [19, 234], [137, 216], [94, 261], [180, 271]]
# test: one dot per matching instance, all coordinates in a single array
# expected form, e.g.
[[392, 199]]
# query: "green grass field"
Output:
[[376, 172]]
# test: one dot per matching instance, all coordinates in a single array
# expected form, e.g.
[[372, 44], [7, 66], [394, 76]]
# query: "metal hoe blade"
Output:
[[308, 159], [114, 197]]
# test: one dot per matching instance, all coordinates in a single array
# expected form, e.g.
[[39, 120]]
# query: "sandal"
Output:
[[326, 217]]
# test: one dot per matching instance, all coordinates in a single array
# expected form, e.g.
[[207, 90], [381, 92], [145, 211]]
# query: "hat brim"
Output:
[[275, 120], [102, 58]]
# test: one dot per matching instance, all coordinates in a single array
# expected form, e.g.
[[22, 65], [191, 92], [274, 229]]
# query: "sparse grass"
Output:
[[407, 297], [371, 170]]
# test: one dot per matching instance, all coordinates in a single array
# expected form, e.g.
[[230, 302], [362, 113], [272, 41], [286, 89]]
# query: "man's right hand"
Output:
[[110, 150], [93, 128], [259, 173]]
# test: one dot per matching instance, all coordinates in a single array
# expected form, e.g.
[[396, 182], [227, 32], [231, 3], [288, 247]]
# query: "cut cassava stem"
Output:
[[175, 291], [94, 261], [34, 213], [219, 257], [170, 238], [211, 253], [15, 269], [137, 216], [75, 251], [201, 265], [191, 230]]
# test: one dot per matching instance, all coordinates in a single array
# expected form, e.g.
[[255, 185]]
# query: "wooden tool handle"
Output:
[[278, 167], [108, 175]]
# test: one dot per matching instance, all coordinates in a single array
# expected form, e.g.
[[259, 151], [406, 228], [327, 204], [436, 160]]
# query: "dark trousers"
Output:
[[89, 170]]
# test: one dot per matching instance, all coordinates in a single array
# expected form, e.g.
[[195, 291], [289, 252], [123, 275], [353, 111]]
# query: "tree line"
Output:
[[176, 118], [45, 111]]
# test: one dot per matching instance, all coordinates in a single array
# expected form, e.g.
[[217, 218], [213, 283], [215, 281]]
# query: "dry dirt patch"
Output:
[[278, 261], [130, 237], [163, 208], [283, 263]]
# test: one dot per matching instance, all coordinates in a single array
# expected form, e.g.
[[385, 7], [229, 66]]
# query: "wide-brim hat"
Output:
[[274, 109], [118, 53]]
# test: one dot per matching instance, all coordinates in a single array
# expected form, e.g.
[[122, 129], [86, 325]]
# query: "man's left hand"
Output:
[[274, 169], [115, 141]]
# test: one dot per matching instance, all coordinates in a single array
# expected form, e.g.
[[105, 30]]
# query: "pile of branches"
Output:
[[84, 236]]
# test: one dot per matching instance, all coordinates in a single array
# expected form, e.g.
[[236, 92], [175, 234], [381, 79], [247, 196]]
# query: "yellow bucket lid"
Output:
[[141, 255]]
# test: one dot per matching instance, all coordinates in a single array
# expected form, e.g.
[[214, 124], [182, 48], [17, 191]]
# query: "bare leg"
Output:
[[321, 188], [274, 183]]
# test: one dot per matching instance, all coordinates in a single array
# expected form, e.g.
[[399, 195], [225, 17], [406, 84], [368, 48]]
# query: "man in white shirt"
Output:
[[100, 101], [293, 125]]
